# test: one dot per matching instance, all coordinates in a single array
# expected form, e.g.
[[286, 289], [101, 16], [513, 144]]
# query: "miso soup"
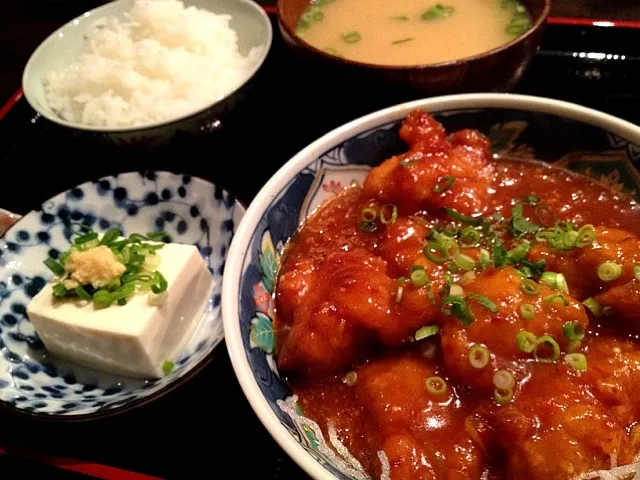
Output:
[[411, 32]]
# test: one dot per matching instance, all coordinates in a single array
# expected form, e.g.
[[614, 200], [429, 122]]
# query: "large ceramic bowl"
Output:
[[527, 127], [495, 70], [65, 45]]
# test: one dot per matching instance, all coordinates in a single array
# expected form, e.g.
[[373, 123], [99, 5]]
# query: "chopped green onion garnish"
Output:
[[529, 287], [311, 14], [419, 276], [499, 255], [554, 280], [434, 247], [82, 293], [520, 225], [350, 378], [109, 236], [546, 341], [402, 40], [436, 385], [167, 367], [368, 215], [577, 361], [573, 331], [586, 236], [503, 380], [456, 290], [135, 277], [59, 290], [485, 258], [526, 341], [536, 268], [456, 306], [448, 245], [62, 258], [367, 220], [139, 259], [469, 236], [479, 356], [444, 184], [86, 238], [593, 306], [531, 199], [561, 283], [502, 397], [102, 299], [351, 37], [124, 291], [437, 12], [54, 266], [451, 230], [467, 278], [465, 262], [408, 162], [609, 271], [636, 272], [486, 302], [518, 253], [570, 238], [551, 299], [463, 218], [137, 238], [426, 332], [519, 23], [525, 272], [159, 284], [393, 215], [528, 311], [160, 236]]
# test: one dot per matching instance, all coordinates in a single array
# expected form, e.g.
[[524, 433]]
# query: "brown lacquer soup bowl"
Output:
[[496, 70]]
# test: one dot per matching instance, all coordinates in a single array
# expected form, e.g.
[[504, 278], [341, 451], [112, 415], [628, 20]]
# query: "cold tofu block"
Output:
[[133, 339]]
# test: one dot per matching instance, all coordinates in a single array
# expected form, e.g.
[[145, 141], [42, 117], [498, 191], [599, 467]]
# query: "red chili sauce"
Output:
[[515, 377]]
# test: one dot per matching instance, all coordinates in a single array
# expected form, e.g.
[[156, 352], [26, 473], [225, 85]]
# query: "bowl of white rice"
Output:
[[148, 68]]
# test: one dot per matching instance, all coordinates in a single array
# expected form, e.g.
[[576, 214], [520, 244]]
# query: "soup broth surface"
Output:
[[410, 32]]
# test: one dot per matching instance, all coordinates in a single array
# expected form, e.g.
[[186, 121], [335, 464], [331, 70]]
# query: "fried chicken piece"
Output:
[[438, 171], [420, 432], [498, 331]]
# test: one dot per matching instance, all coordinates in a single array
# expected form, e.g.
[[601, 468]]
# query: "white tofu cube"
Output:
[[132, 339]]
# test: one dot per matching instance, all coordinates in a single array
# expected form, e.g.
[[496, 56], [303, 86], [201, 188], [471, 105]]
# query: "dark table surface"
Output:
[[188, 433]]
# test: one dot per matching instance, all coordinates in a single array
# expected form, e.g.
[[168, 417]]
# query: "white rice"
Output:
[[163, 61]]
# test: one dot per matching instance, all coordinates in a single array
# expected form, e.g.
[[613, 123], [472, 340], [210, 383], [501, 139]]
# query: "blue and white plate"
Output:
[[191, 210]]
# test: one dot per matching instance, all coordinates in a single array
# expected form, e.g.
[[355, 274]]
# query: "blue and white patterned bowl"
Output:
[[569, 135], [192, 210]]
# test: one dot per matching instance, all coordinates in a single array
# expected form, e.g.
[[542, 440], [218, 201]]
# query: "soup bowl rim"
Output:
[[539, 23], [240, 247]]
